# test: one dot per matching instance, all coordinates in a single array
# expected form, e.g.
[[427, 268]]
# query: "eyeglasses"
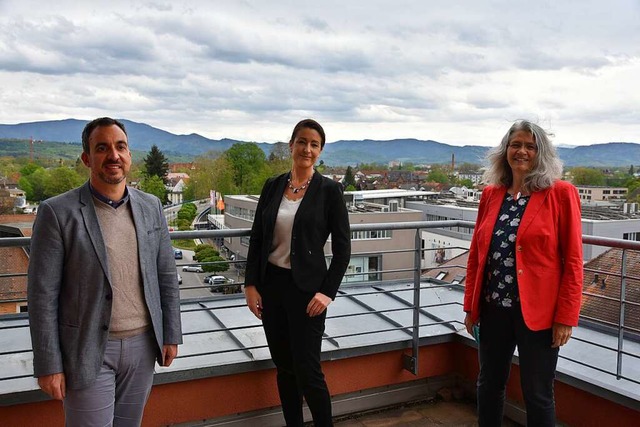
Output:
[[532, 148]]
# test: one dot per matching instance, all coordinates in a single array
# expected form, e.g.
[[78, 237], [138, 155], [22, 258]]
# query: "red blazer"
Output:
[[548, 255]]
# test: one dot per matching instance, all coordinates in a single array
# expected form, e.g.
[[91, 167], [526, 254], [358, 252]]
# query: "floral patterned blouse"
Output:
[[501, 284]]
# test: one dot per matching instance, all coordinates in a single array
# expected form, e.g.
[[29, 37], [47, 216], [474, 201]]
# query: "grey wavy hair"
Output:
[[547, 166]]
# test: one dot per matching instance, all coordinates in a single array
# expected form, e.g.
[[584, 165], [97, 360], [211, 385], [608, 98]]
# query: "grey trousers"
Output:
[[118, 395]]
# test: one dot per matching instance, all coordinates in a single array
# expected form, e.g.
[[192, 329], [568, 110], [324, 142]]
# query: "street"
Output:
[[193, 285]]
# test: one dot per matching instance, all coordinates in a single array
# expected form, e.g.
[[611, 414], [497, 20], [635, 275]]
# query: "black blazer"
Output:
[[322, 212]]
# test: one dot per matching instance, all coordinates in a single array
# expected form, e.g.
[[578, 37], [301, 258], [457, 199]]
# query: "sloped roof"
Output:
[[14, 260], [605, 282], [455, 268]]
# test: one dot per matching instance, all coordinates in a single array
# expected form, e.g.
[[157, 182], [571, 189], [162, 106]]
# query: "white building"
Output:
[[596, 221]]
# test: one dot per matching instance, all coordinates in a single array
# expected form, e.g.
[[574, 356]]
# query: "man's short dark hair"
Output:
[[100, 122]]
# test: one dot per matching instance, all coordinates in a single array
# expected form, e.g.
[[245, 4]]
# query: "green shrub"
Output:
[[214, 268]]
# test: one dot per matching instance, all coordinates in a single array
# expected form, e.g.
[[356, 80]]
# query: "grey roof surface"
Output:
[[352, 326]]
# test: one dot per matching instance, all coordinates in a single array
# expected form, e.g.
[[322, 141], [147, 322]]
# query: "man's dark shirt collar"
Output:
[[114, 204]]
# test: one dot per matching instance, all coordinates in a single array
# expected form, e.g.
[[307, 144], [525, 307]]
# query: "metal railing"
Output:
[[410, 362]]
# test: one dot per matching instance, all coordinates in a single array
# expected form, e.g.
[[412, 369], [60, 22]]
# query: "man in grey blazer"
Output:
[[103, 296]]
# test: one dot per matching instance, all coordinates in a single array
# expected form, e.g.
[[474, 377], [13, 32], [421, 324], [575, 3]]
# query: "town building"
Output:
[[589, 193], [371, 251], [613, 221], [13, 262]]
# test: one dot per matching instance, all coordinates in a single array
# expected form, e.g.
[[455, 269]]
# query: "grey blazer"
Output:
[[69, 290]]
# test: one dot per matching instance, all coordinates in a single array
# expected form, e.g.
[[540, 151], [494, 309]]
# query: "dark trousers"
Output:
[[501, 329], [295, 341]]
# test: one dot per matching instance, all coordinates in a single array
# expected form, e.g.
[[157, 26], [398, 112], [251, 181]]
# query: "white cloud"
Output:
[[456, 72]]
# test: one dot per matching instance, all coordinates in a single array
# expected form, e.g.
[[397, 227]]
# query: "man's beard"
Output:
[[112, 179]]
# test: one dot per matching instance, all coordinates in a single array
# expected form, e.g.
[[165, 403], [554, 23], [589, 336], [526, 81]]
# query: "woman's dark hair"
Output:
[[100, 122], [309, 124]]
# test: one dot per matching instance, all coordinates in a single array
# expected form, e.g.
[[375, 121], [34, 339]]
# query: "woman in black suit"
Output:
[[287, 282]]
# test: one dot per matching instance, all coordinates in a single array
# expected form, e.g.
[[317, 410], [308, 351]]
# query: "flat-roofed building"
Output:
[[594, 193], [613, 221], [371, 251]]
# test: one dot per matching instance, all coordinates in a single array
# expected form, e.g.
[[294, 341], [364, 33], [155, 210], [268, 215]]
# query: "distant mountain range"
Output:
[[339, 153]]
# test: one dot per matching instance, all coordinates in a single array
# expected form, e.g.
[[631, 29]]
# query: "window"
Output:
[[463, 230], [239, 212], [631, 236], [441, 275], [362, 269], [371, 234], [374, 267], [458, 279]]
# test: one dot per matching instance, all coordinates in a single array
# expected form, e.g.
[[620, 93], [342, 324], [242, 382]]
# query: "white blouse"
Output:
[[280, 254]]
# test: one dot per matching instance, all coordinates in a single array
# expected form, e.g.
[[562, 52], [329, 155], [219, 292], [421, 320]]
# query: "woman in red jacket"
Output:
[[524, 274]]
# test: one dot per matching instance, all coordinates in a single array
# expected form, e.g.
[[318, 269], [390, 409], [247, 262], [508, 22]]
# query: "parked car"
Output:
[[216, 282], [193, 268], [179, 279], [213, 279], [177, 254]]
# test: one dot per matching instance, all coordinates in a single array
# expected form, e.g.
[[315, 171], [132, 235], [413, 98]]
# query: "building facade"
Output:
[[371, 251], [593, 193]]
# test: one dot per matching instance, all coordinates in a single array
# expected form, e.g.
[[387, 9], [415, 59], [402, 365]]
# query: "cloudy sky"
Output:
[[453, 71]]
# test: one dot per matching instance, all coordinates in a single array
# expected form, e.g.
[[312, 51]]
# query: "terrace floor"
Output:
[[422, 413], [419, 414]]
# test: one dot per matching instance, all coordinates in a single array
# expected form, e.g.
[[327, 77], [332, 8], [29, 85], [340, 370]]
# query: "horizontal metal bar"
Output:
[[414, 225]]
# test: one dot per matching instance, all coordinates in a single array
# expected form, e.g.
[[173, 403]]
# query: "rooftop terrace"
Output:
[[386, 344]]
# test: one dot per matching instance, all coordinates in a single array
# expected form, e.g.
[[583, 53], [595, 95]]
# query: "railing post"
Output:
[[410, 362], [623, 293]]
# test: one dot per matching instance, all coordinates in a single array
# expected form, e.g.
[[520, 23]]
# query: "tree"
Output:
[[438, 175], [156, 163], [220, 264], [248, 163], [82, 170], [204, 251], [349, 179], [279, 160], [466, 183], [210, 174], [631, 170], [154, 185], [183, 224], [185, 216], [587, 176], [29, 168], [468, 167], [208, 254], [34, 183], [10, 169], [60, 180], [280, 151], [190, 208]]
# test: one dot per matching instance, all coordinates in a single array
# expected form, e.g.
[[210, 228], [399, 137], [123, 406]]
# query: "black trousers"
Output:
[[295, 341], [501, 329]]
